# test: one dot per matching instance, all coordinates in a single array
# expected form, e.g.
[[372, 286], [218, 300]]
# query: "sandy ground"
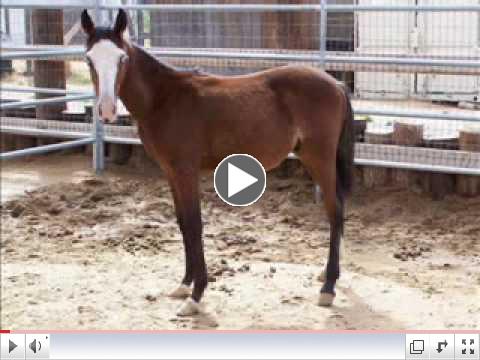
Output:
[[81, 252]]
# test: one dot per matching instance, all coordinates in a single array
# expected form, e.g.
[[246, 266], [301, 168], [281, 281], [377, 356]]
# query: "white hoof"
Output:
[[326, 299], [182, 292], [190, 307]]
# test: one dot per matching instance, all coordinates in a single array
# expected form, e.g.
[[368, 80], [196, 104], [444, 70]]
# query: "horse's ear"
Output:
[[121, 22], [87, 23]]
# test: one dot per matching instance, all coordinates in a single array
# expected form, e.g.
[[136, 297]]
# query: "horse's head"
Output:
[[107, 58]]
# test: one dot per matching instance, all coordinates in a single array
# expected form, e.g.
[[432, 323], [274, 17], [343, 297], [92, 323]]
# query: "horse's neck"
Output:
[[147, 84]]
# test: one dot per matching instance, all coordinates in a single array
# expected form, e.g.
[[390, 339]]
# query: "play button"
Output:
[[11, 346], [240, 180]]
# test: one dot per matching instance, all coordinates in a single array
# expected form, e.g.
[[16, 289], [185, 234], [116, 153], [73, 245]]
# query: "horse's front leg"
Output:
[[184, 290], [185, 187]]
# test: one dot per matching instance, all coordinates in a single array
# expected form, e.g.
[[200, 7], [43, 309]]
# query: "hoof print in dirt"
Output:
[[150, 298]]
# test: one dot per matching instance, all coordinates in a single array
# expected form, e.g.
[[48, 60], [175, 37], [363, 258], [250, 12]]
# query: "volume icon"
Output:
[[35, 346]]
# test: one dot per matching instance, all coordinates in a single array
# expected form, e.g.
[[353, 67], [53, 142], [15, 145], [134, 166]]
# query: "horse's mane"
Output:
[[152, 64]]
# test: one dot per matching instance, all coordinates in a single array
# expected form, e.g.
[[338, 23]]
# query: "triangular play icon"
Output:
[[238, 180], [11, 346]]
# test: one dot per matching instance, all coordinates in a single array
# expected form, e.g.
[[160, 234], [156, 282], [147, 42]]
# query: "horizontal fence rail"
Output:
[[46, 148], [455, 162], [42, 54], [40, 90], [332, 62], [53, 100], [239, 7]]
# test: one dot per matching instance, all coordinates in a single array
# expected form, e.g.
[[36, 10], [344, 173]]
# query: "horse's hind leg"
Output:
[[322, 168]]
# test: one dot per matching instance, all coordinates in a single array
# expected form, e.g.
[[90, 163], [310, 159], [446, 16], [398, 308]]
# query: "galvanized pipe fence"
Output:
[[321, 58]]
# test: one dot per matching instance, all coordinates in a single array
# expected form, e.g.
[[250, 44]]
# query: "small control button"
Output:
[[467, 347], [37, 346], [13, 346], [417, 346], [442, 346]]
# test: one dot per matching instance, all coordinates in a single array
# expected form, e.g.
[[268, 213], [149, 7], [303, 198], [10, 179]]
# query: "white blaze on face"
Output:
[[105, 57]]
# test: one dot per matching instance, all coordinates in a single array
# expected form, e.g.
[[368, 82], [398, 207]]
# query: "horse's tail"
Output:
[[346, 149]]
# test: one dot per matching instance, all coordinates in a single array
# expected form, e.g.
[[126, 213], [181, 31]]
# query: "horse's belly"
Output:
[[253, 122], [269, 150]]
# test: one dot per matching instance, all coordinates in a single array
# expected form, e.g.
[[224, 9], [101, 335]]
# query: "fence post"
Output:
[[323, 33], [98, 131]]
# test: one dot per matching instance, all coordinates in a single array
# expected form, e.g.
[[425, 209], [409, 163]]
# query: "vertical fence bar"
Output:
[[322, 62], [98, 131], [323, 33]]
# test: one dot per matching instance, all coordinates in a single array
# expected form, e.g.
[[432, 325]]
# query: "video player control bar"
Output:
[[240, 345]]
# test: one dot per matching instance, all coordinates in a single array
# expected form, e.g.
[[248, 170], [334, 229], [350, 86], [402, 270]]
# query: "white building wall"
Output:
[[449, 34], [452, 34], [384, 33]]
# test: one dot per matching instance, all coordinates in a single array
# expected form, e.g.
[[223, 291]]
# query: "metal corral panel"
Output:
[[449, 34], [13, 27], [384, 33]]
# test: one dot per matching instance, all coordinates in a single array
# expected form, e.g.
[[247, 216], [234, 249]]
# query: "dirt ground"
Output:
[[86, 252]]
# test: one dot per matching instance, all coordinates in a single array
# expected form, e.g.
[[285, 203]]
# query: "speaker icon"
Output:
[[35, 346]]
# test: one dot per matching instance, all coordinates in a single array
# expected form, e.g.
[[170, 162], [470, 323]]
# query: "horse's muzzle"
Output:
[[107, 110]]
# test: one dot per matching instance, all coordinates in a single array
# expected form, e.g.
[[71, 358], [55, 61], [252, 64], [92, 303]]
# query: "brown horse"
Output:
[[189, 121]]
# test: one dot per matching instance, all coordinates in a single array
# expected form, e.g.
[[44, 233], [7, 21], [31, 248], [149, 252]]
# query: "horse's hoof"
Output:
[[323, 276], [190, 307], [182, 292], [326, 299]]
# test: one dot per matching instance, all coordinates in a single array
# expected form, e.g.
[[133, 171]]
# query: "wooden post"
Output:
[[298, 30], [360, 126], [469, 140], [7, 142], [406, 134], [438, 185], [270, 24], [177, 29], [283, 30], [74, 115], [89, 119], [47, 29], [374, 176], [120, 153], [140, 160], [22, 141]]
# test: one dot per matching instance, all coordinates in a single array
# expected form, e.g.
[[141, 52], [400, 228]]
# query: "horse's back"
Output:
[[315, 99], [265, 114]]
